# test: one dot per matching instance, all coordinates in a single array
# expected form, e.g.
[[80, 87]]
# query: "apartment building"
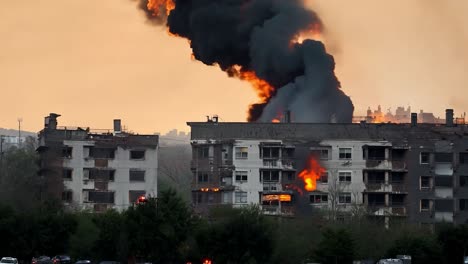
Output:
[[96, 169], [394, 172]]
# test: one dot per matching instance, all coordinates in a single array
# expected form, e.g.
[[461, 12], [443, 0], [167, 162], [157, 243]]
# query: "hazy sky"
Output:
[[93, 61]]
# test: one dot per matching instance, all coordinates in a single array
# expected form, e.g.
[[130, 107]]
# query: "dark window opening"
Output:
[[376, 177], [67, 152], [137, 154], [425, 205], [98, 174], [443, 181], [443, 205], [101, 197], [397, 199], [463, 157], [443, 157], [102, 153], [320, 154], [324, 177], [270, 152], [67, 174], [376, 199], [318, 198], [424, 158], [269, 175], [67, 196], [203, 177], [463, 181], [426, 182], [376, 153], [137, 175], [203, 152]]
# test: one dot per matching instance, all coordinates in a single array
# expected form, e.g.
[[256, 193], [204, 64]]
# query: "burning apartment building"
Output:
[[96, 169], [394, 172]]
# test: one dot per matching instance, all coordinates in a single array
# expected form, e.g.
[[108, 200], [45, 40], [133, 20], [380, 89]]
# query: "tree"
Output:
[[157, 229], [83, 241], [245, 238], [336, 246], [109, 241], [422, 249], [454, 241]]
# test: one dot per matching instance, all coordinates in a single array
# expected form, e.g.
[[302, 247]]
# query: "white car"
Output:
[[9, 260]]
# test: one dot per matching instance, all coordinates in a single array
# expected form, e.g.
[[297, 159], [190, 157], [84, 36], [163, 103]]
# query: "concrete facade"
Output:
[[410, 172], [97, 171]]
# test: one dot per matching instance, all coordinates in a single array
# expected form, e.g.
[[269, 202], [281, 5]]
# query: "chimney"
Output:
[[50, 122], [414, 119], [117, 126], [287, 116], [449, 117]]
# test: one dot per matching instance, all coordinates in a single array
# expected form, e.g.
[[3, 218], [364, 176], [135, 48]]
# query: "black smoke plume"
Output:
[[257, 36]]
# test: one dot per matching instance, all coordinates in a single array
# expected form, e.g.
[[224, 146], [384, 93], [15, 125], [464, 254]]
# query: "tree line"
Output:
[[166, 230]]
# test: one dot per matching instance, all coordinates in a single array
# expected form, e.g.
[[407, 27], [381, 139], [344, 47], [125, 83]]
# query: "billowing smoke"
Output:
[[259, 41]]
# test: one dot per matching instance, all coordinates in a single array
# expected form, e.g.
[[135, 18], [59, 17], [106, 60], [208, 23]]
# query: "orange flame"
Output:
[[263, 88], [311, 174], [155, 6], [275, 120], [314, 32]]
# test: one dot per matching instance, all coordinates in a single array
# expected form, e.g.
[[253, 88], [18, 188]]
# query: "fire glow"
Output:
[[311, 174], [155, 6], [314, 32]]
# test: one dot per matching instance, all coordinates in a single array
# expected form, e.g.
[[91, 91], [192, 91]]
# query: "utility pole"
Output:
[[19, 131]]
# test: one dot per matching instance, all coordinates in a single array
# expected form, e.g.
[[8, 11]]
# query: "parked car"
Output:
[[390, 261], [83, 262], [9, 260], [109, 262], [61, 259], [42, 260]]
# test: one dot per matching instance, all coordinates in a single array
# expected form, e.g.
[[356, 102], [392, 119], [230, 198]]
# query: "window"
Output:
[[463, 204], [67, 196], [426, 182], [288, 176], [424, 158], [344, 198], [67, 152], [463, 181], [137, 175], [345, 153], [242, 152], [134, 195], [324, 177], [102, 153], [463, 157], [424, 205], [241, 176], [98, 196], [270, 152], [269, 175], [320, 153], [67, 174], [318, 198], [137, 154], [98, 174], [203, 177], [344, 176], [443, 157], [241, 197], [203, 152]]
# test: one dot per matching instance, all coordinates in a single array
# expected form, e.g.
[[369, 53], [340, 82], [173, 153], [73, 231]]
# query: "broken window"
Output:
[[241, 152], [241, 176], [344, 176], [67, 174], [376, 153], [137, 154], [67, 196], [323, 177], [102, 153], [344, 198], [136, 175], [318, 198], [241, 197], [67, 152], [424, 158], [426, 182], [134, 195], [345, 153], [320, 153]]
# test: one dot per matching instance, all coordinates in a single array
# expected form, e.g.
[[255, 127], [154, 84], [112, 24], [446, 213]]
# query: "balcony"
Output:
[[378, 164], [396, 187], [270, 163], [287, 164], [399, 165], [276, 210]]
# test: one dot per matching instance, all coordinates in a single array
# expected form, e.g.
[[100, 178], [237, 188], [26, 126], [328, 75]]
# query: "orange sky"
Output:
[[93, 61]]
